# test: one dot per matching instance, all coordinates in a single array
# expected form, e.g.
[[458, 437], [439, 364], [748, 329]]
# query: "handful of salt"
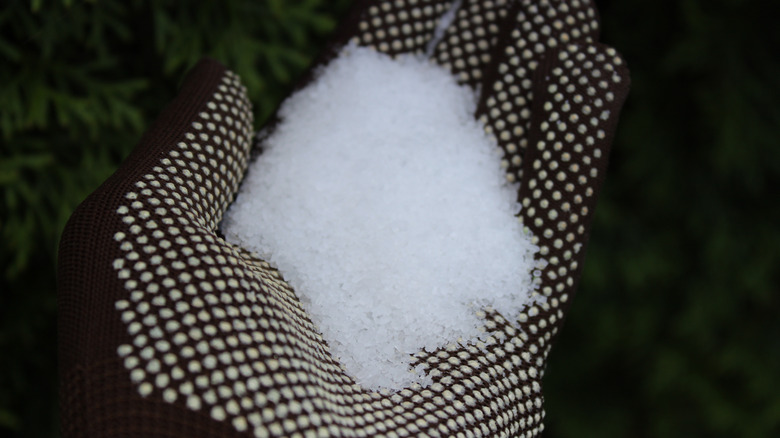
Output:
[[380, 199]]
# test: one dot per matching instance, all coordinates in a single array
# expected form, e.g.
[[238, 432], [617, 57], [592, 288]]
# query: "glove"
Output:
[[168, 330]]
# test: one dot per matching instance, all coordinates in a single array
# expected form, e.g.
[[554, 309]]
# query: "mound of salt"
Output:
[[380, 199]]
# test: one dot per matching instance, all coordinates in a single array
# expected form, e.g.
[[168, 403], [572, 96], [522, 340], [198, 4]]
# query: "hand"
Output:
[[168, 330]]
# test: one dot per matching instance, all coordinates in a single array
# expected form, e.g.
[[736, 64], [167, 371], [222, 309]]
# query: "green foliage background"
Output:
[[674, 332]]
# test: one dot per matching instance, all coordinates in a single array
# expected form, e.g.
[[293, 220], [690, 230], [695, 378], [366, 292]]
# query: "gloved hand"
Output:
[[168, 330]]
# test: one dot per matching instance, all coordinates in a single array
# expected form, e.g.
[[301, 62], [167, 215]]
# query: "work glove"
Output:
[[168, 330]]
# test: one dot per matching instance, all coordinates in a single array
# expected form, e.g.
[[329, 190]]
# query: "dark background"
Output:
[[674, 332]]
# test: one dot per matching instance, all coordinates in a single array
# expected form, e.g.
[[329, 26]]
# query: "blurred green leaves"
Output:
[[273, 37]]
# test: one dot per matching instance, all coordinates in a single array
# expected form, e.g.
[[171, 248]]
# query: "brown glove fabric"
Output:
[[166, 330]]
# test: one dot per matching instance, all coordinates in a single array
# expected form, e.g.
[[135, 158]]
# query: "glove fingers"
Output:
[[530, 34], [577, 98], [395, 27], [468, 45], [483, 33]]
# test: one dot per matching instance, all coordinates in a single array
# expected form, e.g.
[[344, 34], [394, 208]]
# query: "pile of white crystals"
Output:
[[381, 201]]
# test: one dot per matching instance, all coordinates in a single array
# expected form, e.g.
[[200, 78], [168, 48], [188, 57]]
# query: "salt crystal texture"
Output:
[[380, 199]]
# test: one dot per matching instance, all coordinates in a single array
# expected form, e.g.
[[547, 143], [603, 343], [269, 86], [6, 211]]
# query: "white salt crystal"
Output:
[[381, 200], [441, 28]]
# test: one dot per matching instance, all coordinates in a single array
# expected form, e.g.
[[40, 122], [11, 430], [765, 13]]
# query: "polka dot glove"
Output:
[[166, 330]]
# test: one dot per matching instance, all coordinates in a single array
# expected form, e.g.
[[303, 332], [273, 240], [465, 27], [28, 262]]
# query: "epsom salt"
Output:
[[380, 199]]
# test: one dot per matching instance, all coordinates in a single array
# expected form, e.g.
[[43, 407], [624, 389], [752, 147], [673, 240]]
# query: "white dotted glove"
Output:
[[168, 330]]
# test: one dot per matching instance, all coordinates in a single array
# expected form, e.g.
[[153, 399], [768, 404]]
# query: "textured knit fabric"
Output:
[[167, 330]]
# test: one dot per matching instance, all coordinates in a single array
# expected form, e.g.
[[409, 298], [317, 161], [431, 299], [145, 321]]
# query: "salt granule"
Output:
[[381, 200]]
